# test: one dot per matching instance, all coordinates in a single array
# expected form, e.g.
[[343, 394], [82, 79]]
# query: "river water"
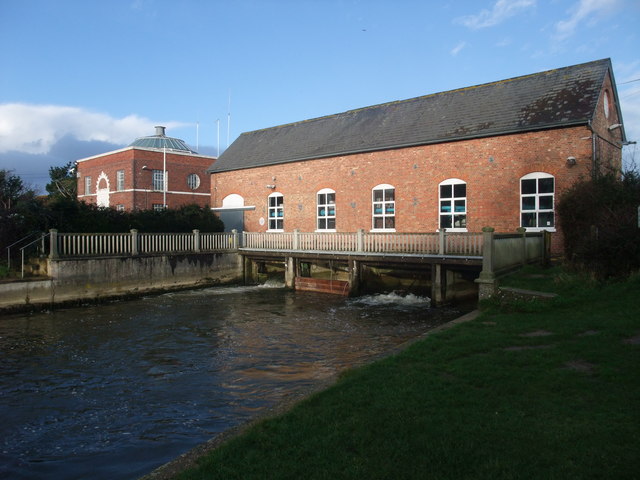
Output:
[[114, 391]]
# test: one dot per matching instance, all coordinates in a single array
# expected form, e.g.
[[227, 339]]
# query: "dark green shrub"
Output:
[[599, 221]]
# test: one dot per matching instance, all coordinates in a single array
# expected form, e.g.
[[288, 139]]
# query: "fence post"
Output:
[[441, 241], [134, 242], [523, 250], [236, 239], [296, 239], [546, 248], [196, 240], [360, 240], [53, 243], [487, 284]]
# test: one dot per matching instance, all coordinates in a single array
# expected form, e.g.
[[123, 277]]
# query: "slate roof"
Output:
[[556, 98]]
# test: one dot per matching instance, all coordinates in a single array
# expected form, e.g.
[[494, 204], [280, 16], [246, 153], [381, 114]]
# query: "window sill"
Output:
[[454, 230], [382, 230], [537, 229], [326, 230], [275, 231]]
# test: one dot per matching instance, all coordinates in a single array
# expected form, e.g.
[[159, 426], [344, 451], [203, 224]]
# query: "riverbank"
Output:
[[529, 389]]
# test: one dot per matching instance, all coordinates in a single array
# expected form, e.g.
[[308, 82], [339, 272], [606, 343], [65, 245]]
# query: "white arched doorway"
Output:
[[232, 212], [102, 190]]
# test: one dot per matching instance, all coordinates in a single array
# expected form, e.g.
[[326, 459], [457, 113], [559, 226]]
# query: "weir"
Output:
[[442, 265]]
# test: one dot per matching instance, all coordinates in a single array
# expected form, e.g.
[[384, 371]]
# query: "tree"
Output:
[[17, 203], [599, 221], [12, 189], [63, 181]]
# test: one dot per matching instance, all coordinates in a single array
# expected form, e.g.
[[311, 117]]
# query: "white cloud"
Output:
[[501, 10], [584, 10], [36, 128], [456, 50]]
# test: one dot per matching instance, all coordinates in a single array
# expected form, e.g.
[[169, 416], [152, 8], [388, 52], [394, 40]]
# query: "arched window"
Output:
[[453, 204], [276, 212], [326, 210], [537, 191], [384, 207]]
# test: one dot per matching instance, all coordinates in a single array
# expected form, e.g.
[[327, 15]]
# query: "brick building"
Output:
[[497, 154], [132, 178]]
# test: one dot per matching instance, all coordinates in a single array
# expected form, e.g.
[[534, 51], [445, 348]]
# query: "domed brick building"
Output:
[[133, 178]]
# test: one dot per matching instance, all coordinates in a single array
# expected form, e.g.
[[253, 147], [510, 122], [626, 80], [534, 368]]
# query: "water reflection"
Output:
[[115, 390]]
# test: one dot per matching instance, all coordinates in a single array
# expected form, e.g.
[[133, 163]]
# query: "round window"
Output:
[[193, 180]]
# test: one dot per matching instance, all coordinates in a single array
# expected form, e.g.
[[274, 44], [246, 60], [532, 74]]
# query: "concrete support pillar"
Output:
[[441, 241], [249, 268], [354, 277], [546, 247], [360, 240], [134, 242], [296, 239], [437, 295], [196, 240], [523, 248], [487, 282], [290, 273], [53, 244]]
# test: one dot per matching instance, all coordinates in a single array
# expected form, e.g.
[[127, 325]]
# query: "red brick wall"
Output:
[[491, 167], [609, 142], [138, 193]]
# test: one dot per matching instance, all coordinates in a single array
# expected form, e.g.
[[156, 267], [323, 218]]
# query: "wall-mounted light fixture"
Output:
[[614, 126], [144, 167], [271, 186], [571, 161]]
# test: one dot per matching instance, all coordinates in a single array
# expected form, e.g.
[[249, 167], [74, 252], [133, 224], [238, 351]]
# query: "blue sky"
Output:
[[82, 77]]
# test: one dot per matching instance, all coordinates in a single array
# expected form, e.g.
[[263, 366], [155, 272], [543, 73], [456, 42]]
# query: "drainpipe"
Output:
[[593, 151]]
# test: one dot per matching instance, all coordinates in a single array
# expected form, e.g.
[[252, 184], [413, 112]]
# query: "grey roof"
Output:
[[160, 141], [555, 98]]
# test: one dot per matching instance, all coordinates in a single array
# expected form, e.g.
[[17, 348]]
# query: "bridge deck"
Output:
[[382, 257]]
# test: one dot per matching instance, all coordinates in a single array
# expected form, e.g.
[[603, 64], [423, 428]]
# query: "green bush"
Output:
[[69, 215], [599, 221]]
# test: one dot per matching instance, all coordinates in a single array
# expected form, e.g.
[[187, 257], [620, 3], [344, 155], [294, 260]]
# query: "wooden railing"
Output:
[[441, 243], [135, 243]]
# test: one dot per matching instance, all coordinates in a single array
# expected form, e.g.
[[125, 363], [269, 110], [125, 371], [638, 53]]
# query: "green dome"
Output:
[[160, 141]]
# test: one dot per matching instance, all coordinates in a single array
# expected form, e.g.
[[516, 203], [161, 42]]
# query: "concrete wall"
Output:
[[97, 278]]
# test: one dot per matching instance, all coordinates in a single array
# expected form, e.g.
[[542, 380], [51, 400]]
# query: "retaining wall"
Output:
[[93, 279]]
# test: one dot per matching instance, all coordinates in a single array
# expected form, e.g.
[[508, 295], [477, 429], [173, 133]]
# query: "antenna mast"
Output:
[[228, 118]]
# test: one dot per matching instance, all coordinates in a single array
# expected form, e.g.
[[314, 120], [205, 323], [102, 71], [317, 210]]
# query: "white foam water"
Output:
[[393, 299]]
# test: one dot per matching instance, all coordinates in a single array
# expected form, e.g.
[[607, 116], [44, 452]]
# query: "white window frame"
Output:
[[87, 185], [324, 209], [158, 207], [120, 207], [193, 181], [450, 206], [538, 197], [158, 180], [120, 180], [275, 212], [384, 209]]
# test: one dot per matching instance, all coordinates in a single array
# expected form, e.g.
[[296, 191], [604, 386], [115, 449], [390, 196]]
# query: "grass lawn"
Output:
[[546, 390]]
